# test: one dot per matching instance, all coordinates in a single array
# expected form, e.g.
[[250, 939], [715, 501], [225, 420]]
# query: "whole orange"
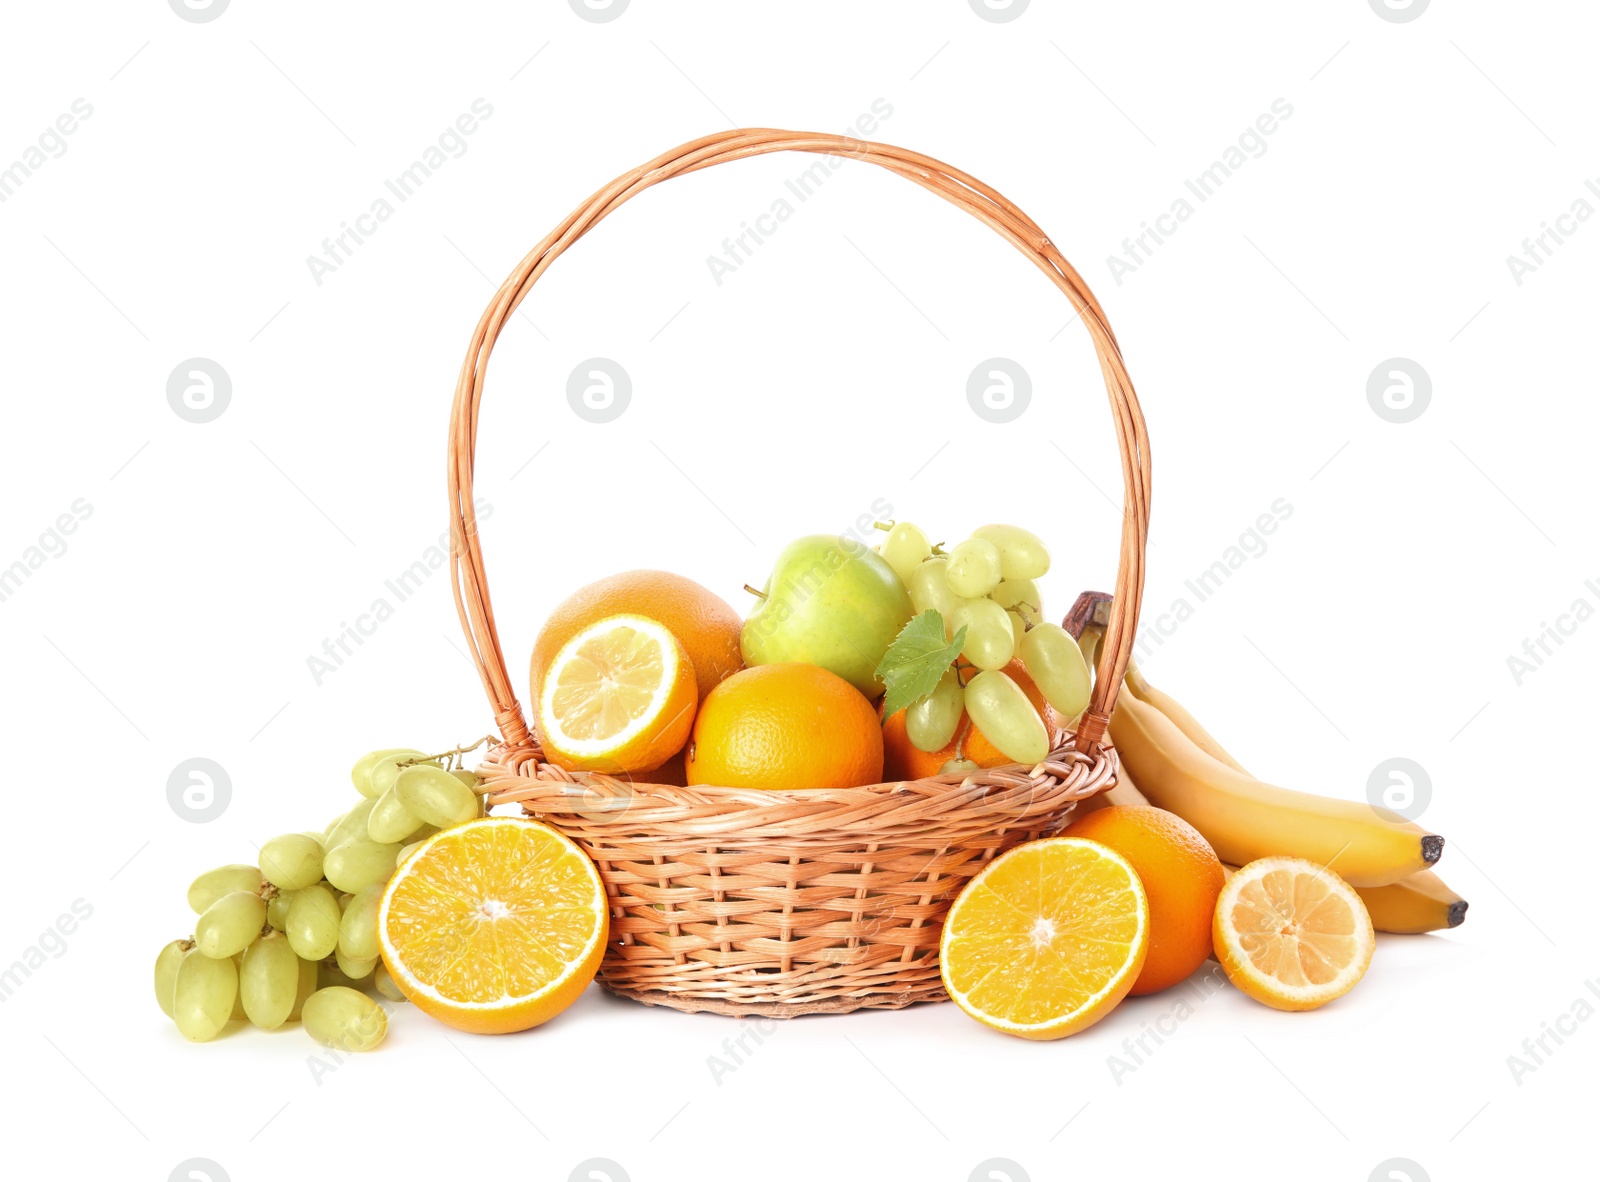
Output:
[[904, 760], [707, 627], [1182, 878], [785, 726]]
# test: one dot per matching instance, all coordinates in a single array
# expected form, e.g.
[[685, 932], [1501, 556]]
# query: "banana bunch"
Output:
[[1171, 761]]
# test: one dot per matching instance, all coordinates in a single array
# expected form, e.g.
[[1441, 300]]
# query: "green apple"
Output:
[[830, 602]]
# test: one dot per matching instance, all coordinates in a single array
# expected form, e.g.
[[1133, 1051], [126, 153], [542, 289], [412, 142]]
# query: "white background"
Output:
[[828, 371]]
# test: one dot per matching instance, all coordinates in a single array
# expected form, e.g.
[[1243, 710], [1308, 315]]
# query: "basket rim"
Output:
[[810, 819]]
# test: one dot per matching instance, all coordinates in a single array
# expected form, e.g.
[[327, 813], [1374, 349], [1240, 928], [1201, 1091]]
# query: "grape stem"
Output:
[[452, 757], [1028, 620]]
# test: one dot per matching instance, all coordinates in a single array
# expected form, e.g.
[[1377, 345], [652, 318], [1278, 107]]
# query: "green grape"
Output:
[[1012, 592], [203, 993], [358, 927], [1056, 664], [361, 775], [930, 591], [470, 779], [436, 796], [231, 924], [292, 861], [931, 720], [1022, 554], [360, 863], [904, 548], [278, 909], [957, 767], [313, 929], [1018, 627], [387, 771], [974, 568], [344, 901], [390, 820], [405, 852], [990, 642], [305, 986], [355, 970], [167, 962], [213, 884], [385, 985], [1007, 719], [344, 1018], [268, 981], [353, 824]]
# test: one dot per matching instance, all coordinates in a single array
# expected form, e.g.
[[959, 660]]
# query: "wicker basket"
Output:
[[823, 900]]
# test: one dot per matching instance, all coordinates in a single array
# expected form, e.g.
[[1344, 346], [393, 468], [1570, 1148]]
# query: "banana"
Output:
[[1421, 903], [1245, 819], [1181, 718]]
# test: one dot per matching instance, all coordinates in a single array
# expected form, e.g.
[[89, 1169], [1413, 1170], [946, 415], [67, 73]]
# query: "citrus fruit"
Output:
[[1182, 878], [1292, 934], [903, 760], [707, 627], [494, 925], [618, 697], [1047, 938], [785, 726]]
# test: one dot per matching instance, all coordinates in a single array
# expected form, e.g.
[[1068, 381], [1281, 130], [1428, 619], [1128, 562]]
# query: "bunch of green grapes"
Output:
[[294, 937], [986, 584]]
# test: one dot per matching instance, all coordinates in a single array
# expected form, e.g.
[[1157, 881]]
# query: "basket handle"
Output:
[[467, 576]]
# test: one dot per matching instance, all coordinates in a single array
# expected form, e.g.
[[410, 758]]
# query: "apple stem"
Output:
[[753, 591], [886, 526]]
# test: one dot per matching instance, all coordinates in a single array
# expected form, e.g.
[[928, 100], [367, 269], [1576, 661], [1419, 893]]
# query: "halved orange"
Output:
[[1046, 939], [1291, 934], [494, 925], [619, 697]]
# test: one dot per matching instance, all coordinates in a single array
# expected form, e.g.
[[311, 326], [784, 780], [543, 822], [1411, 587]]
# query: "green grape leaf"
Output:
[[916, 660]]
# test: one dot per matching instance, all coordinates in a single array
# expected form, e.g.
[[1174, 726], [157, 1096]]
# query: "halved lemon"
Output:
[[1291, 934], [619, 697], [1047, 938], [494, 925]]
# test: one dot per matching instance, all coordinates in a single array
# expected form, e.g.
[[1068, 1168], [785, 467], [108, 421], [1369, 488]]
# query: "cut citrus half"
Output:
[[494, 925], [1291, 934], [1047, 939], [618, 697]]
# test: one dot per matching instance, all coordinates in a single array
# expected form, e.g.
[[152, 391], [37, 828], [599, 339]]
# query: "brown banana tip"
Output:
[[1457, 913], [1432, 847]]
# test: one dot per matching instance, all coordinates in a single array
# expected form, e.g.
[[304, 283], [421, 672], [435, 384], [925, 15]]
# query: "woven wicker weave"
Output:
[[822, 900]]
